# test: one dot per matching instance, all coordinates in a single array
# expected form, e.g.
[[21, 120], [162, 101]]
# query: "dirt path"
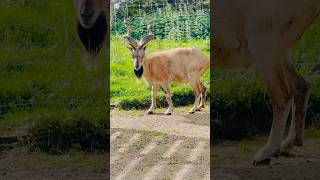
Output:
[[159, 146], [18, 163], [232, 161]]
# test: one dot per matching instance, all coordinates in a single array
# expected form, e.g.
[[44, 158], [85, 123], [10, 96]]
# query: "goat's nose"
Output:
[[87, 13]]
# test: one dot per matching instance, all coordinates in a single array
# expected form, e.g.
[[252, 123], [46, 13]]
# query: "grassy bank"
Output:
[[128, 92]]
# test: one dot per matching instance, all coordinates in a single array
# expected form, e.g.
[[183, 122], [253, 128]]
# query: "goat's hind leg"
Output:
[[301, 91], [202, 96], [196, 89], [167, 91]]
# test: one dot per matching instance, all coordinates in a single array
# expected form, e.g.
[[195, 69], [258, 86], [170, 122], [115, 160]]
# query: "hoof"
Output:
[[168, 111], [150, 112], [264, 162], [191, 112]]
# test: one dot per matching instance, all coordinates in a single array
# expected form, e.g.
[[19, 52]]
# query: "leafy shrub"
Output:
[[182, 23]]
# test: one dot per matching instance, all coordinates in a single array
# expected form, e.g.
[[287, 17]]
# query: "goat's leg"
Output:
[[167, 91], [281, 98], [270, 59], [196, 89], [202, 96], [154, 93], [301, 91]]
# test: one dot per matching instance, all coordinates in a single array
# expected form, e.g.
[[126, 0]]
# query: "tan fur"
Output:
[[175, 65], [179, 65], [261, 33]]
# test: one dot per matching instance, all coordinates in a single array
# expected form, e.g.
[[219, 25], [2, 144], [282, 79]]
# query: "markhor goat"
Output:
[[162, 68]]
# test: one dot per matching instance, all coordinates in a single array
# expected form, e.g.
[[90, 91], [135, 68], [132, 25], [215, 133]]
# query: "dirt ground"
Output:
[[18, 163], [233, 161], [163, 147], [159, 146]]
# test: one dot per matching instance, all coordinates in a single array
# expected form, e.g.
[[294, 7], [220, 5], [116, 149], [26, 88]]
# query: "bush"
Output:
[[241, 108], [57, 133]]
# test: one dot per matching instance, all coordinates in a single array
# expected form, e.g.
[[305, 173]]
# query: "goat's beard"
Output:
[[93, 38], [139, 72]]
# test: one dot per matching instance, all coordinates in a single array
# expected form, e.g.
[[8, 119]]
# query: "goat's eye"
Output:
[[145, 47]]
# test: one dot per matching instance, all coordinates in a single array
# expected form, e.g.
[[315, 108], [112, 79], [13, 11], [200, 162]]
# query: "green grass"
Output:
[[312, 133], [43, 79], [128, 92]]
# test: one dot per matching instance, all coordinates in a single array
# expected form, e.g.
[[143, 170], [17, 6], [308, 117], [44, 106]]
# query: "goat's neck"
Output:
[[145, 60], [146, 66]]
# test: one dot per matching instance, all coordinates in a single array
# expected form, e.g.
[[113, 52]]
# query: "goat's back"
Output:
[[177, 65]]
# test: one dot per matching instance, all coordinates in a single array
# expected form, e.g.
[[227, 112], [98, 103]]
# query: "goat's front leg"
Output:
[[281, 100], [154, 93], [167, 91], [275, 80], [271, 58]]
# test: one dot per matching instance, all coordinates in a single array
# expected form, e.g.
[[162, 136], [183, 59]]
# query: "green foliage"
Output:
[[127, 92], [183, 22], [181, 97], [239, 105]]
